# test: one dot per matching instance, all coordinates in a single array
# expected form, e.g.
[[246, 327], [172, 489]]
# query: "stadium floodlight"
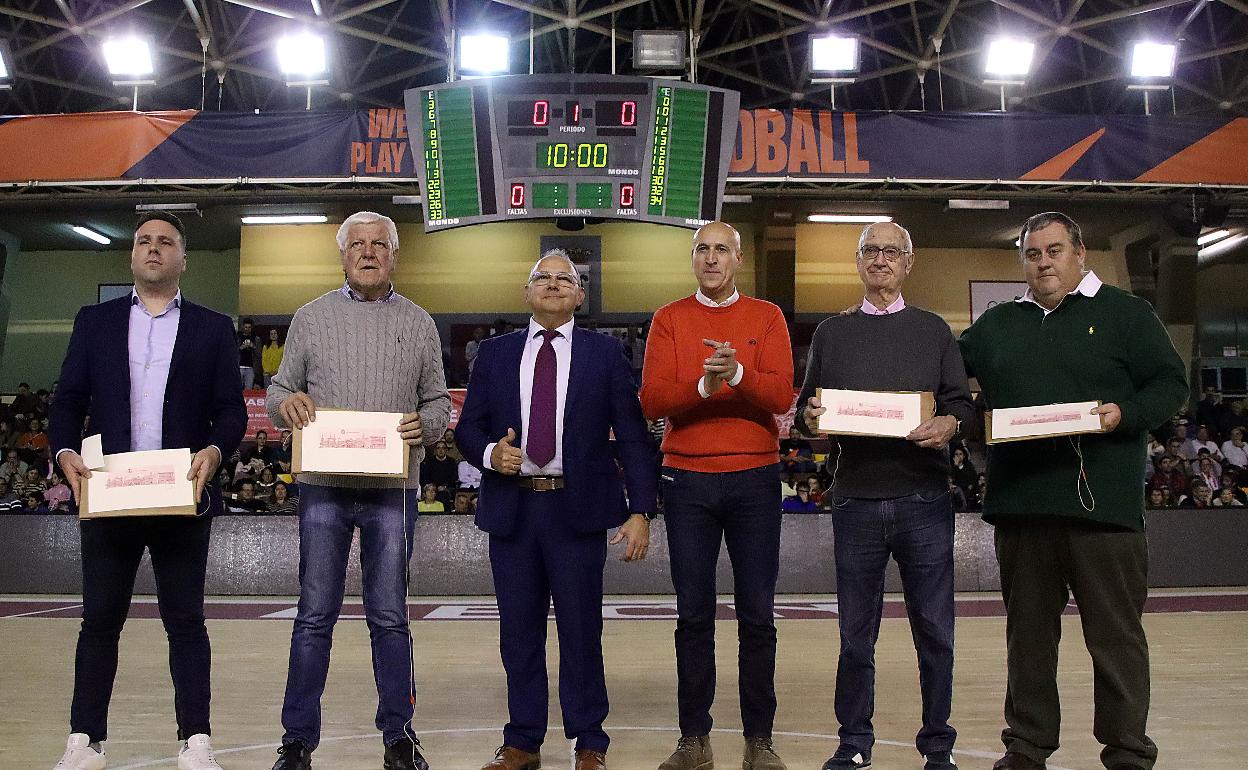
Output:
[[1009, 57], [835, 54], [484, 53], [128, 58], [91, 235], [301, 57], [1153, 60], [286, 219], [658, 49]]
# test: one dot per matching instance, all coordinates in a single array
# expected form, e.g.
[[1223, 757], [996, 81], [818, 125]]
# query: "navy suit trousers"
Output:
[[545, 559]]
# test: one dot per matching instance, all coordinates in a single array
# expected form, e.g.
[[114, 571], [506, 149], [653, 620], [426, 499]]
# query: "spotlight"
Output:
[[1009, 57], [835, 54], [128, 58], [484, 53], [658, 49]]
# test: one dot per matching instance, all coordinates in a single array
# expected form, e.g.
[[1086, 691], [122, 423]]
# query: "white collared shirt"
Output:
[[705, 300], [895, 306], [1088, 287], [528, 360]]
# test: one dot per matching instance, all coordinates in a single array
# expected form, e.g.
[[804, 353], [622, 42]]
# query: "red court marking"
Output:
[[641, 609]]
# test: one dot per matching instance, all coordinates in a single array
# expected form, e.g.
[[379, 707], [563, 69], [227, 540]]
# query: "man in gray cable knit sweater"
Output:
[[364, 347]]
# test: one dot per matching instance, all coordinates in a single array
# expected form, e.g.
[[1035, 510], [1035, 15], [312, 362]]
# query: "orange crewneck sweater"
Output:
[[735, 429]]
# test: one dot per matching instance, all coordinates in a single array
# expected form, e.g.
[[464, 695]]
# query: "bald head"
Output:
[[716, 257]]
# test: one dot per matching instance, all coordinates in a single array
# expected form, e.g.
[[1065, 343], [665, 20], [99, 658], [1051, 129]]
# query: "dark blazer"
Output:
[[601, 398], [203, 398]]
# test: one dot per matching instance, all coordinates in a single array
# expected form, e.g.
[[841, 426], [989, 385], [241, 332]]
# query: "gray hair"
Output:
[[557, 254], [367, 218], [867, 230]]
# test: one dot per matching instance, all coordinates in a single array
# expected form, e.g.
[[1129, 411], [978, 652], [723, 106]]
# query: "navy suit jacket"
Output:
[[601, 398], [203, 397]]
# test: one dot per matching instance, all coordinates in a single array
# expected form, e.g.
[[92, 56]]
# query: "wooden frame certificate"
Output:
[[151, 483], [874, 413], [1030, 422], [351, 443]]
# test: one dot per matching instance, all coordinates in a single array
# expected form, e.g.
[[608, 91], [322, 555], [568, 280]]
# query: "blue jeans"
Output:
[[702, 510], [328, 517], [917, 531]]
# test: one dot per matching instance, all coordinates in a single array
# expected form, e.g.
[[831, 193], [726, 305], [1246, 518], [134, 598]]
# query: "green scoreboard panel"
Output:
[[540, 146]]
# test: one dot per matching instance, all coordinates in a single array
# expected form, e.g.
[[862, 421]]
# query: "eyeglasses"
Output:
[[562, 279], [891, 253]]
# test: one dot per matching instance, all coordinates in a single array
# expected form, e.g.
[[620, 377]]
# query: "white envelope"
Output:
[[352, 443], [151, 483]]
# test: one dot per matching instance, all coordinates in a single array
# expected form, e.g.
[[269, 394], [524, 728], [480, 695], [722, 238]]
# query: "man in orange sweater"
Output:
[[719, 367]]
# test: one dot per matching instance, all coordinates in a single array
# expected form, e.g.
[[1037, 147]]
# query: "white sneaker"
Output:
[[79, 755], [197, 754]]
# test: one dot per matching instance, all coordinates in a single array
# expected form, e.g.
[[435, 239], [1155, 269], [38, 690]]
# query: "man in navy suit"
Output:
[[537, 420], [152, 371]]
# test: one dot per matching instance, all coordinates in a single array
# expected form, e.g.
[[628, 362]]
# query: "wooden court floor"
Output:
[[1199, 712]]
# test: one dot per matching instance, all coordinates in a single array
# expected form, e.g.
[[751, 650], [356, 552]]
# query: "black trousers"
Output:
[[1043, 561], [704, 511], [111, 552]]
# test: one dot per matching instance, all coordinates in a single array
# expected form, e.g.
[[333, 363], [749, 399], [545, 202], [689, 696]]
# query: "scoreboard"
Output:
[[542, 146]]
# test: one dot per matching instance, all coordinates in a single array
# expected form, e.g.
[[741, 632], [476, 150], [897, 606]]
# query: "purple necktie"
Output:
[[541, 446]]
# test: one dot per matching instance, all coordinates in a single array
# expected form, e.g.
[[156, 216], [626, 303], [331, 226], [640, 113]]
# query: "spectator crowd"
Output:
[[1197, 460]]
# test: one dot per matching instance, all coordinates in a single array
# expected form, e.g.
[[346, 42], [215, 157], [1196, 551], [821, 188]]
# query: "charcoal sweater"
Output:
[[911, 349]]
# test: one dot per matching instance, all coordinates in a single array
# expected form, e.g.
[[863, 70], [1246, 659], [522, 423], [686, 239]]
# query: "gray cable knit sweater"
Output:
[[366, 356]]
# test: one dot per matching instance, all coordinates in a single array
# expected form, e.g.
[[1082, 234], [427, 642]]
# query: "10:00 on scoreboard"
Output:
[[541, 146]]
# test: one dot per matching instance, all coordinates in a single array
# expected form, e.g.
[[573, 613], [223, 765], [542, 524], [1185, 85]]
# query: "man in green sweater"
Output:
[[1069, 511]]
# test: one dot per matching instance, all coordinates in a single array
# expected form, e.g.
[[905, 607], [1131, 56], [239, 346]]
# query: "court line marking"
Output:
[[58, 608], [970, 753]]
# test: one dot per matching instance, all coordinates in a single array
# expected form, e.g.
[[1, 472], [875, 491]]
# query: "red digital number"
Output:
[[575, 109], [541, 113], [626, 196], [628, 114], [517, 196]]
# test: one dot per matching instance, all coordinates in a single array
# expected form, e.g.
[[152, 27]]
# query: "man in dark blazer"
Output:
[[152, 371], [537, 420]]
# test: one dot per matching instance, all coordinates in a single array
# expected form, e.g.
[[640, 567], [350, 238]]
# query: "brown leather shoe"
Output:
[[760, 754], [590, 760], [1014, 760], [511, 758]]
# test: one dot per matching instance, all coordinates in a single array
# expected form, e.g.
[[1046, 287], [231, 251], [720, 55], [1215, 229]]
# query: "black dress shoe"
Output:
[[404, 754], [1013, 760], [293, 756]]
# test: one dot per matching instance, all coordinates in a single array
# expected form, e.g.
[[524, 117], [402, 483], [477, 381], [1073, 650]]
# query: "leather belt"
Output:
[[542, 483]]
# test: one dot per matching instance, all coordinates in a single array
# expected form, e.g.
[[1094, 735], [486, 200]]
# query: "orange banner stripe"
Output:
[[97, 145], [1057, 166], [1219, 158]]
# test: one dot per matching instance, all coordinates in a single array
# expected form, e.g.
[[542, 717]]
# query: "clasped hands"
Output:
[[719, 367]]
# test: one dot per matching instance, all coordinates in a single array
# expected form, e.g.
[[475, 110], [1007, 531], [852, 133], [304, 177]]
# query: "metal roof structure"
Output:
[[916, 54]]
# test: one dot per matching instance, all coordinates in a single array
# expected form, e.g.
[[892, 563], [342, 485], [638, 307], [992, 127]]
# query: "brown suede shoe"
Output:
[[761, 755], [590, 760], [1014, 760], [511, 758], [693, 752]]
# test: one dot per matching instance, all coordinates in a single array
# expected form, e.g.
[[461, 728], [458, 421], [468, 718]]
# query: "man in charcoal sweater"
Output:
[[890, 496], [364, 347], [1068, 512]]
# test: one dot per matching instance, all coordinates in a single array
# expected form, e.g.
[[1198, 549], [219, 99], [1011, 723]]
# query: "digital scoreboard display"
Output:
[[542, 146]]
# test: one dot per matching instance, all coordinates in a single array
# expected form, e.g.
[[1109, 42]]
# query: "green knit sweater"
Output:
[[1112, 348]]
